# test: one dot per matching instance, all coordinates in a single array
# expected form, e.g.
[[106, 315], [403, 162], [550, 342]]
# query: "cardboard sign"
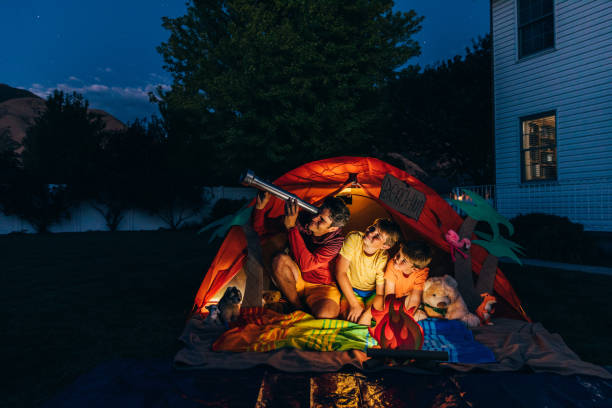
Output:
[[401, 197]]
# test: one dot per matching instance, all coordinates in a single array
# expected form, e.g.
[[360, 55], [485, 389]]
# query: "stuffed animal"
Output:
[[441, 299], [271, 296], [214, 317], [272, 300], [457, 244], [486, 308], [229, 305]]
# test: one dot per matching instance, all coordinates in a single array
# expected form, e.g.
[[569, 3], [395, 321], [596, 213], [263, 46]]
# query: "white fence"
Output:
[[586, 201], [486, 191], [87, 218]]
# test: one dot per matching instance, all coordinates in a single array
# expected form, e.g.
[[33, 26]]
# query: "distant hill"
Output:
[[8, 92], [18, 113]]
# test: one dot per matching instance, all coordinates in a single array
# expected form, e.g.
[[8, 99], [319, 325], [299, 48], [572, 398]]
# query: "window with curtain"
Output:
[[539, 147], [535, 26]]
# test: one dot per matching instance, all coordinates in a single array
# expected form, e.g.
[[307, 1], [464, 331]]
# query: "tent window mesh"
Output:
[[536, 26], [539, 147]]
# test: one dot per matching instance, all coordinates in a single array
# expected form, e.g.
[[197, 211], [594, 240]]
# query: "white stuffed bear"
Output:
[[442, 299]]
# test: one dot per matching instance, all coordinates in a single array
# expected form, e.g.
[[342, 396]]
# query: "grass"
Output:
[[75, 300]]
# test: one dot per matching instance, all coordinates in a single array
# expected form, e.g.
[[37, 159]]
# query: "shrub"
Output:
[[554, 238], [40, 204]]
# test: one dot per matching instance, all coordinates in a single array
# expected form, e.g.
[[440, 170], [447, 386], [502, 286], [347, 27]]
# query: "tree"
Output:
[[145, 170], [271, 85], [9, 159], [39, 203], [173, 201], [124, 168], [61, 144], [10, 172], [441, 117], [57, 162]]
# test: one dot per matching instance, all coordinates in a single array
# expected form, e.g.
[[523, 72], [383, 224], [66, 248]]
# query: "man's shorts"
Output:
[[314, 292], [365, 298]]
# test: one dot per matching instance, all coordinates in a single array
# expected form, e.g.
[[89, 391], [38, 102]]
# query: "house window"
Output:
[[535, 26], [539, 147]]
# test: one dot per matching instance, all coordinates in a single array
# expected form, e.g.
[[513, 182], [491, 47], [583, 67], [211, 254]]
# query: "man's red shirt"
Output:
[[313, 255]]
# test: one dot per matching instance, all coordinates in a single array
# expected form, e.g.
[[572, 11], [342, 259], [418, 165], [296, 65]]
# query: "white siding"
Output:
[[575, 80]]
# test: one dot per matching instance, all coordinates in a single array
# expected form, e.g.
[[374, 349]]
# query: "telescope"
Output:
[[249, 179]]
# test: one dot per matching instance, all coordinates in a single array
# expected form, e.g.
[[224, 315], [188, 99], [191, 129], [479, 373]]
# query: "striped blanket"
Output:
[[455, 338]]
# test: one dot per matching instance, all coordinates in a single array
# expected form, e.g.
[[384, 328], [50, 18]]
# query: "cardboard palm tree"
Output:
[[477, 209]]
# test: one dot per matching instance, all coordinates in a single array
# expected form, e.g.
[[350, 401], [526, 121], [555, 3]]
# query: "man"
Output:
[[360, 268], [303, 274]]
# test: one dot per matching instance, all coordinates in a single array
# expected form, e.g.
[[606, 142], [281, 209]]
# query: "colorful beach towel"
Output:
[[261, 329], [455, 338]]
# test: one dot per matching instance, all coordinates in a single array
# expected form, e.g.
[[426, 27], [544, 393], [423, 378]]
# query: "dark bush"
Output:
[[41, 205], [555, 238]]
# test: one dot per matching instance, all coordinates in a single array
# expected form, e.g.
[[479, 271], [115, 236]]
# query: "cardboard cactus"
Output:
[[477, 209]]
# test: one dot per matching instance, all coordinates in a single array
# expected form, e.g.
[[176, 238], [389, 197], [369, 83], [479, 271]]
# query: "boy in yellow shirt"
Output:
[[360, 268]]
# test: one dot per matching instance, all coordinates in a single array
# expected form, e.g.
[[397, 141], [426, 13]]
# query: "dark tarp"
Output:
[[516, 345], [135, 384]]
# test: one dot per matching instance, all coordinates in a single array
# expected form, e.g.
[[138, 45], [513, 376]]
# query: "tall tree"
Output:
[[10, 170], [36, 202], [57, 162], [61, 144], [270, 85], [441, 117], [124, 168], [144, 169], [9, 159]]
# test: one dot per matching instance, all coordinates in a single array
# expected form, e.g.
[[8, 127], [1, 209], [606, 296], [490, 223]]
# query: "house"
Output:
[[552, 74]]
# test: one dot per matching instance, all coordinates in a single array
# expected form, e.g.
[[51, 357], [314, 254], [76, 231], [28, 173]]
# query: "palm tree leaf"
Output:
[[241, 217], [480, 209], [511, 244], [501, 248]]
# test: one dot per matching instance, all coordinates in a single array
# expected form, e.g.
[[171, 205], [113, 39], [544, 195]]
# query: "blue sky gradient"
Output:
[[106, 51]]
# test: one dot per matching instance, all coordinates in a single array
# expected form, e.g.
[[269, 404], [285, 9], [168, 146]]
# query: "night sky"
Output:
[[106, 50]]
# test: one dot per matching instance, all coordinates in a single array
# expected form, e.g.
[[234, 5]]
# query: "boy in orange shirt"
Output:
[[406, 273]]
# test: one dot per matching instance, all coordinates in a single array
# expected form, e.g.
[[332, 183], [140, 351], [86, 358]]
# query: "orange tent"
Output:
[[360, 179]]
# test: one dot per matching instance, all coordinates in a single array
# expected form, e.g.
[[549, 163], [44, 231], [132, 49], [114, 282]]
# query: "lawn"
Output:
[[76, 300]]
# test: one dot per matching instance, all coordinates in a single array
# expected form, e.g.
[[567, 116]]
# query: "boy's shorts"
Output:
[[364, 297], [314, 292]]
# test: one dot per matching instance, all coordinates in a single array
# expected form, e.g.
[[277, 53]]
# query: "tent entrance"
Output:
[[364, 210]]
